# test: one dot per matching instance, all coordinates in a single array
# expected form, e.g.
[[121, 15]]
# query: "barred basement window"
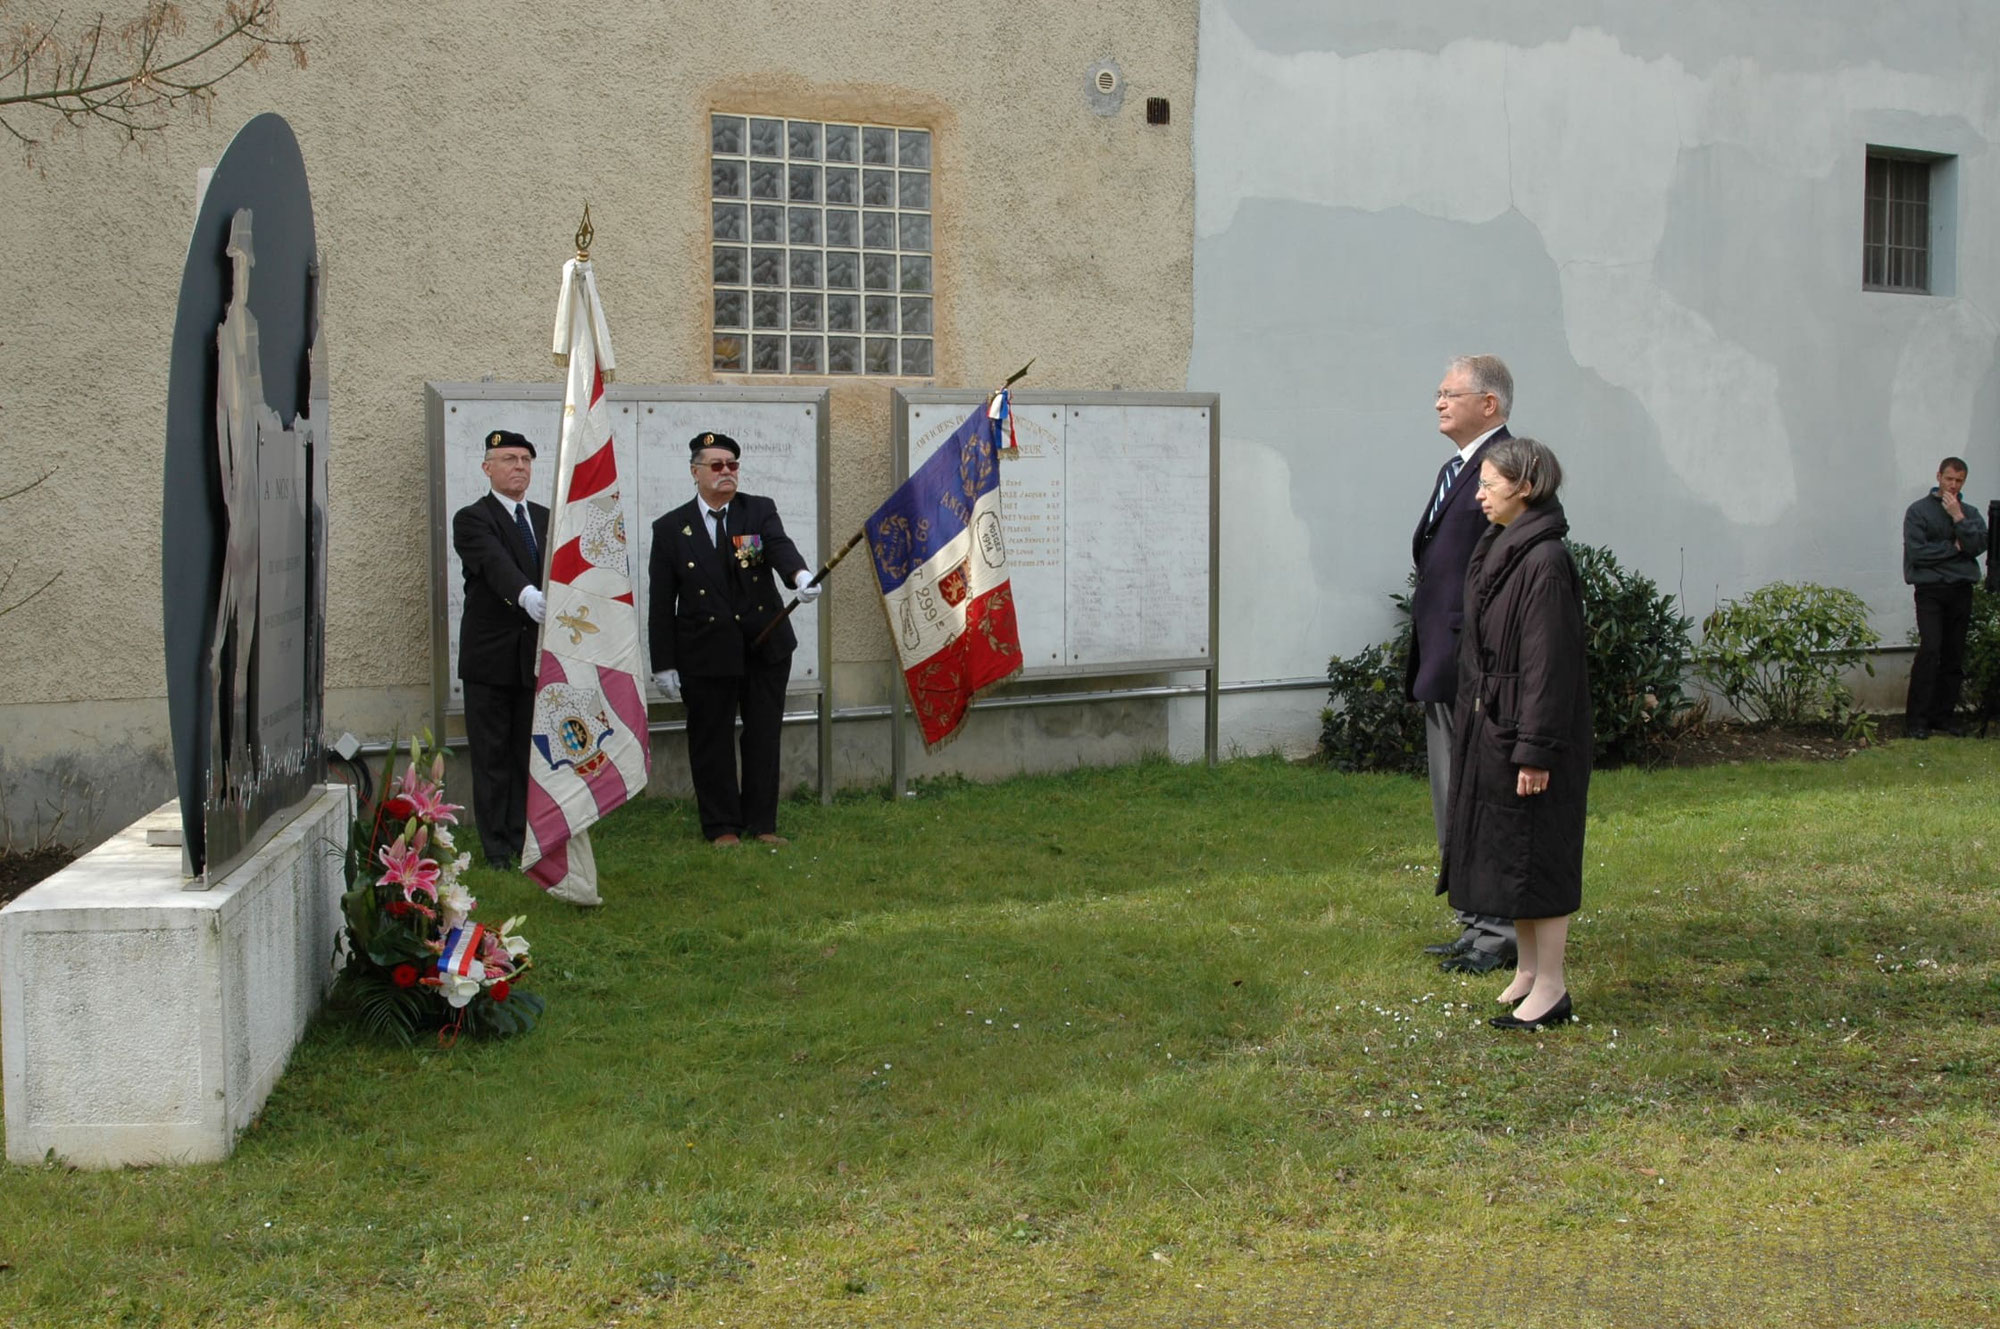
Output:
[[1898, 229], [820, 247]]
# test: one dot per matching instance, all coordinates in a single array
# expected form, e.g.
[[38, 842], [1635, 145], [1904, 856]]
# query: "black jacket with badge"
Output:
[[496, 638], [1523, 700], [703, 611]]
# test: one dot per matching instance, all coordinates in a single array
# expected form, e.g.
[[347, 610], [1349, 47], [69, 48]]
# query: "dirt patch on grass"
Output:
[[20, 871], [1740, 744], [1734, 745]]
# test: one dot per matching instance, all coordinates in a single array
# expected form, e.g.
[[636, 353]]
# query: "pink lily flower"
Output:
[[426, 797], [409, 869]]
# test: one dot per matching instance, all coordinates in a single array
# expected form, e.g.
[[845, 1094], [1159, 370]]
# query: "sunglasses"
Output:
[[720, 466]]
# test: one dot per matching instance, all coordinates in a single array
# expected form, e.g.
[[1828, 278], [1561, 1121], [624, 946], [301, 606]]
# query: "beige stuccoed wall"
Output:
[[450, 147]]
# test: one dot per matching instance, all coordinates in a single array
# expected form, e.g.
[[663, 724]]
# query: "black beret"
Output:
[[700, 441], [507, 438]]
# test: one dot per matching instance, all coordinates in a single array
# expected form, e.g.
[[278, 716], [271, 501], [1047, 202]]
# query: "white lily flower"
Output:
[[441, 836], [517, 946], [457, 904], [458, 989]]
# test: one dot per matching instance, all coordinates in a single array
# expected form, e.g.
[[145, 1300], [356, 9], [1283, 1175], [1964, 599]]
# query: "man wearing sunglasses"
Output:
[[711, 589]]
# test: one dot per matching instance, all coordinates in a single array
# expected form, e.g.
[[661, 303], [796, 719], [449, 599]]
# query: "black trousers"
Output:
[[714, 701], [497, 721], [1938, 673]]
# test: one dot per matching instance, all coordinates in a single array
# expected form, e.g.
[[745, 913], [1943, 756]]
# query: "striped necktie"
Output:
[[1444, 486]]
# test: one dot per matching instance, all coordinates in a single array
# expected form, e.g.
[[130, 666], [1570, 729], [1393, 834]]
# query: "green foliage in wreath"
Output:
[[412, 958]]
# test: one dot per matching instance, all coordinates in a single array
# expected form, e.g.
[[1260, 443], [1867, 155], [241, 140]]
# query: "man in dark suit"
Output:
[[1472, 405], [500, 540], [710, 590]]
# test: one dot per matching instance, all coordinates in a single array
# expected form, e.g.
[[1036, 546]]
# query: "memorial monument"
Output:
[[152, 991]]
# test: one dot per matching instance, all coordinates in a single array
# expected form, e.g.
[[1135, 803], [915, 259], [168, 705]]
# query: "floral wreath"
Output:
[[412, 957]]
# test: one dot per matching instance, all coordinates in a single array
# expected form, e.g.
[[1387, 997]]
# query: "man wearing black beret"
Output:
[[711, 589], [500, 541]]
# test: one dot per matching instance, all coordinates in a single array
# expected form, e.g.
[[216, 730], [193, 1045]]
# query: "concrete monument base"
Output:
[[144, 1023]]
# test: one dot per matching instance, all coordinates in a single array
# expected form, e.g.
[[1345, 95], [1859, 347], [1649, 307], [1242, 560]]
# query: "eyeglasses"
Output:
[[1468, 392], [720, 466], [1488, 486]]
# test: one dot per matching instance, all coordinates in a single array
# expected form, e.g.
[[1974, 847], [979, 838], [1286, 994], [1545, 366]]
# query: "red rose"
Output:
[[405, 975], [500, 990], [399, 909], [399, 808]]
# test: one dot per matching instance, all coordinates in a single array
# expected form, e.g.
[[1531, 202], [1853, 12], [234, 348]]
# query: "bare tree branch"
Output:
[[8, 580], [133, 77], [16, 493]]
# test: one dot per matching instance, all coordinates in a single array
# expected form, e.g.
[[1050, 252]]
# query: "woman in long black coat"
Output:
[[1521, 750]]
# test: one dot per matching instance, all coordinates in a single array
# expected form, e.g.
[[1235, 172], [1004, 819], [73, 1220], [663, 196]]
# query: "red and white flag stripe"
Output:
[[590, 749]]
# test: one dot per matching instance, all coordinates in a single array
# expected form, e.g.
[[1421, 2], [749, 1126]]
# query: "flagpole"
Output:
[[818, 577]]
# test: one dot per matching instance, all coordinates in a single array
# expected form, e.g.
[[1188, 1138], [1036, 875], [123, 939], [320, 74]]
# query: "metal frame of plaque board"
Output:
[[650, 427], [1185, 498]]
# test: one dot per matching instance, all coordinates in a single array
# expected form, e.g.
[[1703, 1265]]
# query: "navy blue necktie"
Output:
[[527, 530], [1444, 486]]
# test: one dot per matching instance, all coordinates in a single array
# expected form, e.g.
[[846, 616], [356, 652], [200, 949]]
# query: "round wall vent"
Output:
[[1104, 88]]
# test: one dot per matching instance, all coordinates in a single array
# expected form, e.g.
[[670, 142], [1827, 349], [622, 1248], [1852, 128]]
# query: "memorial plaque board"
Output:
[[782, 432], [1109, 513]]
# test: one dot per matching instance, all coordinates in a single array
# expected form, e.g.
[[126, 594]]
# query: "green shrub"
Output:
[[1778, 653], [1982, 654], [1639, 652], [1372, 725]]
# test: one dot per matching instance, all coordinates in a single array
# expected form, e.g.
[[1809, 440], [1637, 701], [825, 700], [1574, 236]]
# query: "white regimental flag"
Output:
[[590, 748]]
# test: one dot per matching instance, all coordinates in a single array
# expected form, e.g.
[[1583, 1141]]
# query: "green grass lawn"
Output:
[[1146, 1046]]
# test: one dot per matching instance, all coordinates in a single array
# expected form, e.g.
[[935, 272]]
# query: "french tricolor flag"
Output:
[[941, 563]]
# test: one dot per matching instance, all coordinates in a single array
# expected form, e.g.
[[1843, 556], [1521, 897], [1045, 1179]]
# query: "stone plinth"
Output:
[[144, 1023]]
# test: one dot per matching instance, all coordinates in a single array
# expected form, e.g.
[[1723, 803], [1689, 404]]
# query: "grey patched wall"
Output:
[[1654, 213]]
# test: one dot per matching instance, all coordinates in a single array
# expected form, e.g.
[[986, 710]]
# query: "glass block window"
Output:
[[1896, 231], [820, 247]]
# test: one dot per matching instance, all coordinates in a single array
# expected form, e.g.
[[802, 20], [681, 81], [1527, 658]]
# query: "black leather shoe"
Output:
[[1459, 947], [1950, 730], [1480, 962], [1560, 1013], [1917, 731]]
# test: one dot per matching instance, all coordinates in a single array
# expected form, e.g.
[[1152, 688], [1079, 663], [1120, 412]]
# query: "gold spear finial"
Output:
[[583, 237]]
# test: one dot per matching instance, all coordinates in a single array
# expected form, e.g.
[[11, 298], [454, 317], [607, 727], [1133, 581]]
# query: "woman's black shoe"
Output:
[[1560, 1013]]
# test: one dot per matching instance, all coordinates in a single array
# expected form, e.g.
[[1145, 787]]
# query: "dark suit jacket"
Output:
[[701, 620], [1441, 550], [496, 638]]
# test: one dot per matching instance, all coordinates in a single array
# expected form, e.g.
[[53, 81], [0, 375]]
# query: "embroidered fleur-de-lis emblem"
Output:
[[578, 624]]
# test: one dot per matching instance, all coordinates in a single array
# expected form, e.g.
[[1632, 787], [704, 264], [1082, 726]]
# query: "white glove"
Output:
[[803, 584], [533, 603], [668, 681]]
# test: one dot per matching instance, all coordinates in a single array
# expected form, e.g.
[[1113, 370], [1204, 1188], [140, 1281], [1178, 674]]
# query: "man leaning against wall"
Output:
[[1943, 537]]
